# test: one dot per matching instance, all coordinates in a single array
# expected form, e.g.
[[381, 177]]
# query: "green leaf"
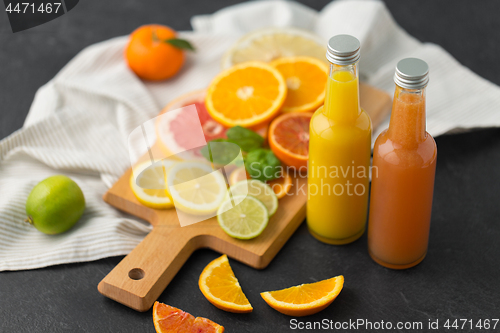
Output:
[[247, 139], [180, 44], [263, 165], [221, 151]]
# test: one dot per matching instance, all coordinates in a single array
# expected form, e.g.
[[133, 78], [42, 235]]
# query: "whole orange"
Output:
[[150, 56]]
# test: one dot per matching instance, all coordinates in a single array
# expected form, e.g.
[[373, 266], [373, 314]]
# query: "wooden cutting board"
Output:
[[139, 279]]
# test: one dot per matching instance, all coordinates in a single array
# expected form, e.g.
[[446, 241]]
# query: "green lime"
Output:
[[55, 205], [258, 190], [245, 220]]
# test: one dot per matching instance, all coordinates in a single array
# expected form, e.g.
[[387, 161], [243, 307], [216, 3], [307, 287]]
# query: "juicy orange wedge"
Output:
[[247, 94], [221, 288], [289, 139], [306, 82], [168, 319], [282, 185], [306, 299]]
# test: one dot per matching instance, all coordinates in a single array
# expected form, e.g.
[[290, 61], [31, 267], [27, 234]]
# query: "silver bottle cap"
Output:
[[412, 73], [343, 50]]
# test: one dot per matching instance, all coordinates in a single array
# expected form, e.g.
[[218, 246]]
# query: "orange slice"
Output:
[[306, 82], [238, 175], [168, 319], [247, 94], [281, 186], [306, 299], [221, 288], [289, 138]]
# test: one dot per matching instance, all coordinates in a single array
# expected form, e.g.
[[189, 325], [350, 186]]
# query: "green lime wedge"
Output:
[[244, 220], [257, 189]]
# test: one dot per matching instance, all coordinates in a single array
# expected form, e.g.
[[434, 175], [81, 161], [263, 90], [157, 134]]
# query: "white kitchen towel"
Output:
[[79, 122]]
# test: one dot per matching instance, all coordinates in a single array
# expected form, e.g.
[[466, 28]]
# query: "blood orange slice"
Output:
[[289, 138], [168, 319]]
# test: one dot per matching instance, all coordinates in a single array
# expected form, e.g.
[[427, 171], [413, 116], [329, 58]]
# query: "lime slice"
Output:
[[246, 220], [257, 189]]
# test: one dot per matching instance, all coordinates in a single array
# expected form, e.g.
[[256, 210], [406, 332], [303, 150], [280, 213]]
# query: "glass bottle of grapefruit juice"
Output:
[[339, 151], [404, 164]]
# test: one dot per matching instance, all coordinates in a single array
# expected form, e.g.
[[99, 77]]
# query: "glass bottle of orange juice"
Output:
[[404, 165], [339, 151]]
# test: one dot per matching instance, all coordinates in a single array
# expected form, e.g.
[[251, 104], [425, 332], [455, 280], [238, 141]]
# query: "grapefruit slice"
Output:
[[168, 319], [289, 138], [174, 130]]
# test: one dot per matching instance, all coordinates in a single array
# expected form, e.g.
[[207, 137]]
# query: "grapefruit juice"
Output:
[[404, 164]]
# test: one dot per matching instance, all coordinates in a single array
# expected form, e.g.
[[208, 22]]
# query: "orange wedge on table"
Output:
[[289, 138], [306, 299], [168, 319], [247, 94], [221, 288], [305, 78]]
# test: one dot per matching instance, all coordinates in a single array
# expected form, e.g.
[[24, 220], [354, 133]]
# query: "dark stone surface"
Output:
[[458, 279]]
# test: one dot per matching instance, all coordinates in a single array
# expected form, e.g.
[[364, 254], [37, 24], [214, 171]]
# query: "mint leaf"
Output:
[[180, 44], [263, 165], [247, 139]]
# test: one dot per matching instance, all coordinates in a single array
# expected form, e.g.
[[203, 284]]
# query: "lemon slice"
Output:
[[196, 188], [245, 220], [272, 43], [257, 189], [148, 184]]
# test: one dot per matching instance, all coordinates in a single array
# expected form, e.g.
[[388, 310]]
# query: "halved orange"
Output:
[[247, 94], [306, 299], [289, 138], [221, 288], [282, 185], [306, 82], [168, 319]]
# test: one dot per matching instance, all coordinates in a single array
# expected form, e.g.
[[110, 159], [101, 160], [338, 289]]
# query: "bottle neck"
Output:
[[342, 94], [407, 124]]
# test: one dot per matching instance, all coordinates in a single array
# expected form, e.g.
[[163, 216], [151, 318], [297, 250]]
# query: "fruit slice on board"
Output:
[[148, 184], [289, 139], [272, 43], [173, 130], [221, 288], [195, 188], [257, 189], [168, 319], [282, 185], [243, 216], [306, 299], [247, 94], [306, 82]]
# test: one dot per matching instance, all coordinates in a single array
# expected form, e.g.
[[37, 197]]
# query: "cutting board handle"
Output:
[[139, 279]]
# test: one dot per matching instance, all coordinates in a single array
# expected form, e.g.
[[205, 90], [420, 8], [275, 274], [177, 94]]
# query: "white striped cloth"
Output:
[[79, 122]]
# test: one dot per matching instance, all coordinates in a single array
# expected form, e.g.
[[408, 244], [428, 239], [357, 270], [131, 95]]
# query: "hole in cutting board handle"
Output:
[[136, 274]]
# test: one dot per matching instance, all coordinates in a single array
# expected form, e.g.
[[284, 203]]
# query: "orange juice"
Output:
[[404, 164], [339, 152]]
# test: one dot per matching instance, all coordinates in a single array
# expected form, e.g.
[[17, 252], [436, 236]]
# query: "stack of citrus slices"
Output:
[[272, 80]]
